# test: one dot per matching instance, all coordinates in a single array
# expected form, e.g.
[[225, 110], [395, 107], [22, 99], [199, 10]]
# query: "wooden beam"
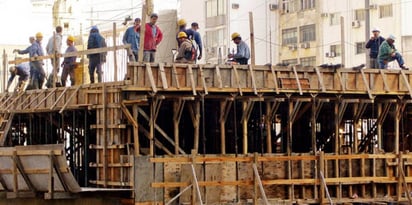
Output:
[[252, 39], [202, 76], [177, 114], [366, 83], [342, 83], [175, 75], [406, 82], [57, 100], [20, 167], [225, 107], [219, 77], [163, 76], [275, 79], [194, 110], [157, 143], [115, 53], [320, 79], [237, 80], [252, 75], [69, 99], [297, 80], [384, 80], [191, 77], [150, 76]]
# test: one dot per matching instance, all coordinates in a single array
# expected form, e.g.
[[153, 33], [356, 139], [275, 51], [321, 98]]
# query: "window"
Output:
[[288, 6], [215, 8], [385, 11], [360, 47], [215, 38], [307, 33], [307, 4], [360, 14], [335, 49], [289, 36], [308, 61], [290, 61], [334, 19]]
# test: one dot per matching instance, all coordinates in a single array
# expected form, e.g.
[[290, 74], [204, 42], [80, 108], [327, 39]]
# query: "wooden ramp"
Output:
[[27, 171]]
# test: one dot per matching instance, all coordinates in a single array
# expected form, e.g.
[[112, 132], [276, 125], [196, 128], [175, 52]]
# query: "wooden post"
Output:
[[252, 39], [255, 181], [289, 129], [396, 127], [222, 126], [322, 185], [342, 38], [114, 52], [337, 117], [269, 118], [136, 131], [313, 124], [176, 119], [142, 33], [103, 132], [244, 126], [152, 125], [379, 127], [355, 144], [4, 70]]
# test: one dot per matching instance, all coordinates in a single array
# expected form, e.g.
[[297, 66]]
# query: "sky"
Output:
[[22, 20]]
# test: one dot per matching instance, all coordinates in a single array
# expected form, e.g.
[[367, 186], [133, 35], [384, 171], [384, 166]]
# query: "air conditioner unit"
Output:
[[355, 24], [293, 47], [373, 6], [330, 54], [305, 45], [327, 54], [273, 7], [324, 14], [235, 6]]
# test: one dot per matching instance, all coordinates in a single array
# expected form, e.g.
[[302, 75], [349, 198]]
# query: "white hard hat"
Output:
[[376, 29], [391, 37]]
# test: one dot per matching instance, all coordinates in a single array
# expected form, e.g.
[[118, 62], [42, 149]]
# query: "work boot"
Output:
[[403, 67]]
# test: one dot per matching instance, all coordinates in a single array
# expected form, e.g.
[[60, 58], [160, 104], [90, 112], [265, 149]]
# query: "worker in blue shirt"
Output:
[[23, 71], [197, 39], [242, 54], [373, 44], [95, 60], [132, 37]]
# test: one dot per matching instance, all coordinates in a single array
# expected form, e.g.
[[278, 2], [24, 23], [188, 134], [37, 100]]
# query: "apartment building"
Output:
[[218, 19], [311, 31]]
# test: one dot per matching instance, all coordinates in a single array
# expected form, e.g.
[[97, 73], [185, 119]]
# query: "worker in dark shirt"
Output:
[[373, 44], [21, 70]]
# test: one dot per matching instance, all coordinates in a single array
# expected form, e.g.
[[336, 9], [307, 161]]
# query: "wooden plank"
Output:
[[68, 100], [175, 75], [384, 80], [237, 79], [20, 167], [342, 83], [406, 82], [163, 75], [366, 83], [150, 76], [297, 80], [252, 75], [57, 100], [219, 77], [320, 79], [275, 79], [202, 76], [191, 77]]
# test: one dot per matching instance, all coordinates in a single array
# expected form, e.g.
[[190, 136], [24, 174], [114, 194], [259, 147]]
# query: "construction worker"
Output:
[[182, 28], [23, 71], [53, 47], [30, 50], [132, 37], [95, 60], [37, 73], [153, 36], [69, 63], [185, 52], [388, 53], [373, 44], [242, 52], [197, 39]]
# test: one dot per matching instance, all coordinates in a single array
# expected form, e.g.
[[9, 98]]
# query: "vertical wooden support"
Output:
[[322, 185], [337, 122], [163, 76], [219, 77], [222, 122], [255, 181], [244, 126], [136, 131], [355, 126], [313, 124], [115, 52], [398, 116], [103, 134], [289, 129], [195, 115], [152, 125], [177, 113], [363, 168], [51, 179], [15, 176], [4, 70], [252, 39], [191, 77], [269, 118], [379, 127]]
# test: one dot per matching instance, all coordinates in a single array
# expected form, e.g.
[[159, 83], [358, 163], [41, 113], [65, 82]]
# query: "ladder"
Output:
[[368, 138], [6, 119]]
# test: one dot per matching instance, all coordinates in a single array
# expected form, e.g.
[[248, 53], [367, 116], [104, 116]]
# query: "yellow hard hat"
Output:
[[39, 35], [12, 69], [181, 35], [235, 35], [181, 22], [70, 38]]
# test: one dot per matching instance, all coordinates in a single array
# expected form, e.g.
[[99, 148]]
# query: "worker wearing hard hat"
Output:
[[21, 70], [242, 54], [186, 52], [53, 47], [182, 28], [69, 63], [373, 44], [388, 53]]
